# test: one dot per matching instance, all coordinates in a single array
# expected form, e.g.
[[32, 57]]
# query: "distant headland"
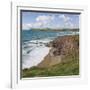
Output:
[[50, 29]]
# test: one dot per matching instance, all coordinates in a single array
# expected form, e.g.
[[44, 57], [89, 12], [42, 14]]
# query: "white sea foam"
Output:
[[34, 52], [35, 57], [40, 41]]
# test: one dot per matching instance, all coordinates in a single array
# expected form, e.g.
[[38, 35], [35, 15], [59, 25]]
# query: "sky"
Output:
[[49, 20]]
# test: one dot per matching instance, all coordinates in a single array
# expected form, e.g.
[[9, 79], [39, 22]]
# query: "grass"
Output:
[[71, 67]]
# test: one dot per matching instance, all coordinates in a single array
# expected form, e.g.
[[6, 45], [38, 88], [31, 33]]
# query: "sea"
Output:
[[34, 47]]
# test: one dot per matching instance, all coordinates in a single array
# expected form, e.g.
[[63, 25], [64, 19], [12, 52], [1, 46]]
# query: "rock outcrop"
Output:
[[61, 47]]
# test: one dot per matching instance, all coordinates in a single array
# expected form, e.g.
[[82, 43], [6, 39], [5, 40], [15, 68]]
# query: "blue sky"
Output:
[[49, 20]]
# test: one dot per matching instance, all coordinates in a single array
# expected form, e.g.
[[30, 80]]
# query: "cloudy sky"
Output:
[[49, 20]]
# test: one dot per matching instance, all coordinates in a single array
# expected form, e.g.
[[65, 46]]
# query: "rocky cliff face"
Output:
[[61, 48]]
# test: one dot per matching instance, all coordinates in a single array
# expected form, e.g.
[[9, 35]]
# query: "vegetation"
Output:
[[70, 60], [48, 29], [62, 69]]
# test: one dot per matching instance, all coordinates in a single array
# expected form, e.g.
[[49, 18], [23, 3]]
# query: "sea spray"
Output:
[[33, 45], [35, 57]]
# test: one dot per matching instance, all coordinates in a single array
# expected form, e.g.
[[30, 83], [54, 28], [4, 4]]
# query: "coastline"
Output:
[[48, 29], [35, 57], [61, 47], [64, 51], [34, 52]]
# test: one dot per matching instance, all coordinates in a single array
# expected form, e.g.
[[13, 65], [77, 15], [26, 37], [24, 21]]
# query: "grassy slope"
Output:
[[69, 67]]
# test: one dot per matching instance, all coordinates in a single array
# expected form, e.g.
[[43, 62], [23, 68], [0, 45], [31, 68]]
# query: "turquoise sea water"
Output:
[[28, 35]]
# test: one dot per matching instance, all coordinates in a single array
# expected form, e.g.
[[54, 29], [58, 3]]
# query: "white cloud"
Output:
[[44, 18], [37, 24], [67, 21], [25, 27], [32, 25], [65, 18], [44, 21], [41, 22], [69, 25]]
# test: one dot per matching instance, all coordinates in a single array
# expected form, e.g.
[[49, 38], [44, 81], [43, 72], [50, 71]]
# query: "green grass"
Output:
[[71, 67]]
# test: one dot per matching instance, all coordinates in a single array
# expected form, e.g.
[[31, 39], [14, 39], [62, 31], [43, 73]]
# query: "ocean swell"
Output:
[[33, 53]]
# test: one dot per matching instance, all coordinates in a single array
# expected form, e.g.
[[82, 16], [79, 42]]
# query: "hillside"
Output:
[[49, 29], [62, 60], [61, 47]]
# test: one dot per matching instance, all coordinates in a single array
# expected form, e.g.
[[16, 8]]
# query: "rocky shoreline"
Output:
[[61, 48], [62, 59]]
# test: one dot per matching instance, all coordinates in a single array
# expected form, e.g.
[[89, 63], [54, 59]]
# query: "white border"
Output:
[[15, 79]]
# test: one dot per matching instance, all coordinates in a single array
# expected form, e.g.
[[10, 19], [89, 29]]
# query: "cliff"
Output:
[[62, 60], [62, 48]]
